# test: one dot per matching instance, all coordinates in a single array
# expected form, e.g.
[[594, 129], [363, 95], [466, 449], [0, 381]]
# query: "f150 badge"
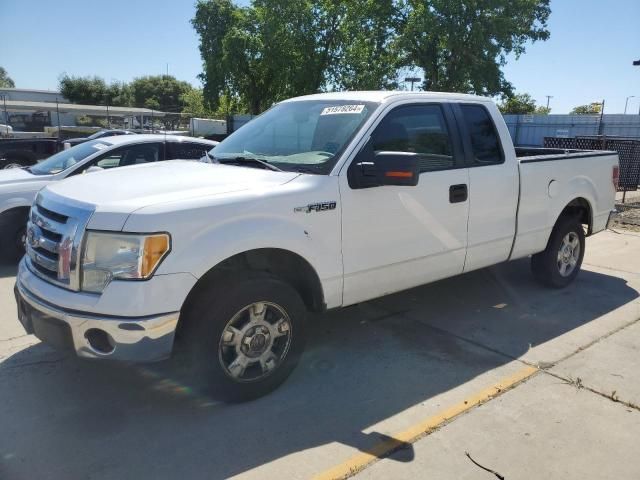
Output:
[[316, 207]]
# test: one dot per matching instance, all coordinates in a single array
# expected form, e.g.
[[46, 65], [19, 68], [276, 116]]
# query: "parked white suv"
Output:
[[323, 201], [18, 186]]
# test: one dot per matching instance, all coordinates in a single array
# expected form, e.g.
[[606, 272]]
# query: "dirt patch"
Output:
[[629, 215]]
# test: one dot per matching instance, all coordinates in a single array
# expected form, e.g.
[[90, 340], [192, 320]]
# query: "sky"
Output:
[[588, 57]]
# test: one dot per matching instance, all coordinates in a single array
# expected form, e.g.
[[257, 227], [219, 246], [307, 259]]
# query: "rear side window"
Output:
[[485, 143], [186, 150], [417, 129]]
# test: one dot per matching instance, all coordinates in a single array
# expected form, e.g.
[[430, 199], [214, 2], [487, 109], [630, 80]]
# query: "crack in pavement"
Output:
[[543, 368], [14, 338], [38, 362], [579, 384]]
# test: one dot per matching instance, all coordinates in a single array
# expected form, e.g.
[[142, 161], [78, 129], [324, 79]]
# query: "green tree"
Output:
[[213, 21], [591, 109], [193, 101], [275, 49], [462, 46], [520, 104], [368, 55], [5, 80], [94, 91], [119, 94], [159, 92], [83, 90]]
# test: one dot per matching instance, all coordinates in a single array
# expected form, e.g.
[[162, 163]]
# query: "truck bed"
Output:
[[536, 154], [550, 178]]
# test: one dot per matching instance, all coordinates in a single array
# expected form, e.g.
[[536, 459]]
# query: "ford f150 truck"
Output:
[[323, 201]]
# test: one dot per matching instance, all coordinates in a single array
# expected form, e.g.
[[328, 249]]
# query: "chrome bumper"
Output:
[[139, 339]]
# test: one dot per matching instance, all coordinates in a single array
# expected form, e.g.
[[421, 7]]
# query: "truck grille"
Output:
[[54, 236]]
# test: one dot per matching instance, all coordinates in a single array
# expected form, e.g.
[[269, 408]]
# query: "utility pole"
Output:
[[6, 115], [58, 116], [412, 80], [626, 102], [600, 124], [549, 97]]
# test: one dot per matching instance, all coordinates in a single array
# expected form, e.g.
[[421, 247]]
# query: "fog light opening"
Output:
[[99, 340]]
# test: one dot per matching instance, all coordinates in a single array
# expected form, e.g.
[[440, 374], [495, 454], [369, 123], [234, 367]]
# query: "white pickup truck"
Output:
[[323, 201]]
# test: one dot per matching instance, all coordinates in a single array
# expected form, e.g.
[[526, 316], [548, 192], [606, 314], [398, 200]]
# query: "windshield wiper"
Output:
[[247, 160]]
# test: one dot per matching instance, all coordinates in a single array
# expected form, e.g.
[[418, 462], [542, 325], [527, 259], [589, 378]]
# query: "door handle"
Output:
[[458, 193]]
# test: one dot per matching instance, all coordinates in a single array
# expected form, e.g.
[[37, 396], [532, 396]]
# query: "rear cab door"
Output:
[[493, 183]]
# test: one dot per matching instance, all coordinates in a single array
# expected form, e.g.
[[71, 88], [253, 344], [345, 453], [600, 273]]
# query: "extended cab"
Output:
[[322, 202]]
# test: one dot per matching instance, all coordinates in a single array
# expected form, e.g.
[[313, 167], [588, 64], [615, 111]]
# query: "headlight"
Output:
[[121, 256]]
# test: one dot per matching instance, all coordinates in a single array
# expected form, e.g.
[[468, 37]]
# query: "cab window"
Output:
[[420, 129], [485, 143]]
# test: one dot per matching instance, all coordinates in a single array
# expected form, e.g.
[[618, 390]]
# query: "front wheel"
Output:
[[13, 227], [243, 339], [558, 265]]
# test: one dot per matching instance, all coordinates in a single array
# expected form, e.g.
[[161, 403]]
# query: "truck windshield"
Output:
[[68, 158], [304, 135]]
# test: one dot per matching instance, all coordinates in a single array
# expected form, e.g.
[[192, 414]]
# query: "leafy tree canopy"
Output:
[[274, 49], [522, 104], [590, 109], [462, 46], [5, 80], [160, 92]]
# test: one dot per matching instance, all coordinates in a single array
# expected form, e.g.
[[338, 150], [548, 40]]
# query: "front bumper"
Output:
[[136, 339]]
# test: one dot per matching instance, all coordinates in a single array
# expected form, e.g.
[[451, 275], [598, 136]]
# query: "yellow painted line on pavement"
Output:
[[360, 461]]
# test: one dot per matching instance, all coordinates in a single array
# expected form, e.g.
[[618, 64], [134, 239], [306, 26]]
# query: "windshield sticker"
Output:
[[342, 109], [100, 146]]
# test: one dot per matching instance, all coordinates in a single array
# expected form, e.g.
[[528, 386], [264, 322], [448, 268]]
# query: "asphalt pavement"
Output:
[[530, 382]]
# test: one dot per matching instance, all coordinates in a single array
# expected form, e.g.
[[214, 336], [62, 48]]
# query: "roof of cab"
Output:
[[150, 137], [381, 96]]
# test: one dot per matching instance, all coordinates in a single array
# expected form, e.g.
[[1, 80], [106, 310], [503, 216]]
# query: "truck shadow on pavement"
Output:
[[65, 418], [8, 269]]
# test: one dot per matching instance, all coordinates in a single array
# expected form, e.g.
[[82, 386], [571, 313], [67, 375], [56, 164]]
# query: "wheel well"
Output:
[[284, 264], [16, 211], [579, 207]]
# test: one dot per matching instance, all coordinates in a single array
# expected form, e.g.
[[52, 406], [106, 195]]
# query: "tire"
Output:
[[218, 325], [559, 264], [13, 226]]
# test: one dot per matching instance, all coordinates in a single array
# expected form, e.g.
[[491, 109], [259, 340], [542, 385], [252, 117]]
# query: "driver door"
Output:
[[397, 237]]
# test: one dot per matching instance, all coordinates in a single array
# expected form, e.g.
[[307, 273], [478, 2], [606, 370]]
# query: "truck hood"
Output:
[[124, 190], [13, 176]]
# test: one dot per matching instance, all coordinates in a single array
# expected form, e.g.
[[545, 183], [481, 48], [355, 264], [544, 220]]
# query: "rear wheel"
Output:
[[243, 339], [558, 265]]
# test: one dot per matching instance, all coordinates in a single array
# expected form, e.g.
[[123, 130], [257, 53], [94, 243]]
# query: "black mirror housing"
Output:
[[375, 169]]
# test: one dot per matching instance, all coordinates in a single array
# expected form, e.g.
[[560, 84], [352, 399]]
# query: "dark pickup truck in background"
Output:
[[22, 152]]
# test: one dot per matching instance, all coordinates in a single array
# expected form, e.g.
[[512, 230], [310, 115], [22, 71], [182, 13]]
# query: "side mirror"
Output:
[[94, 168], [375, 169]]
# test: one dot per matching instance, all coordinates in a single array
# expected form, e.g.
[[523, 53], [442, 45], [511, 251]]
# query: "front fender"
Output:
[[196, 249], [16, 202]]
